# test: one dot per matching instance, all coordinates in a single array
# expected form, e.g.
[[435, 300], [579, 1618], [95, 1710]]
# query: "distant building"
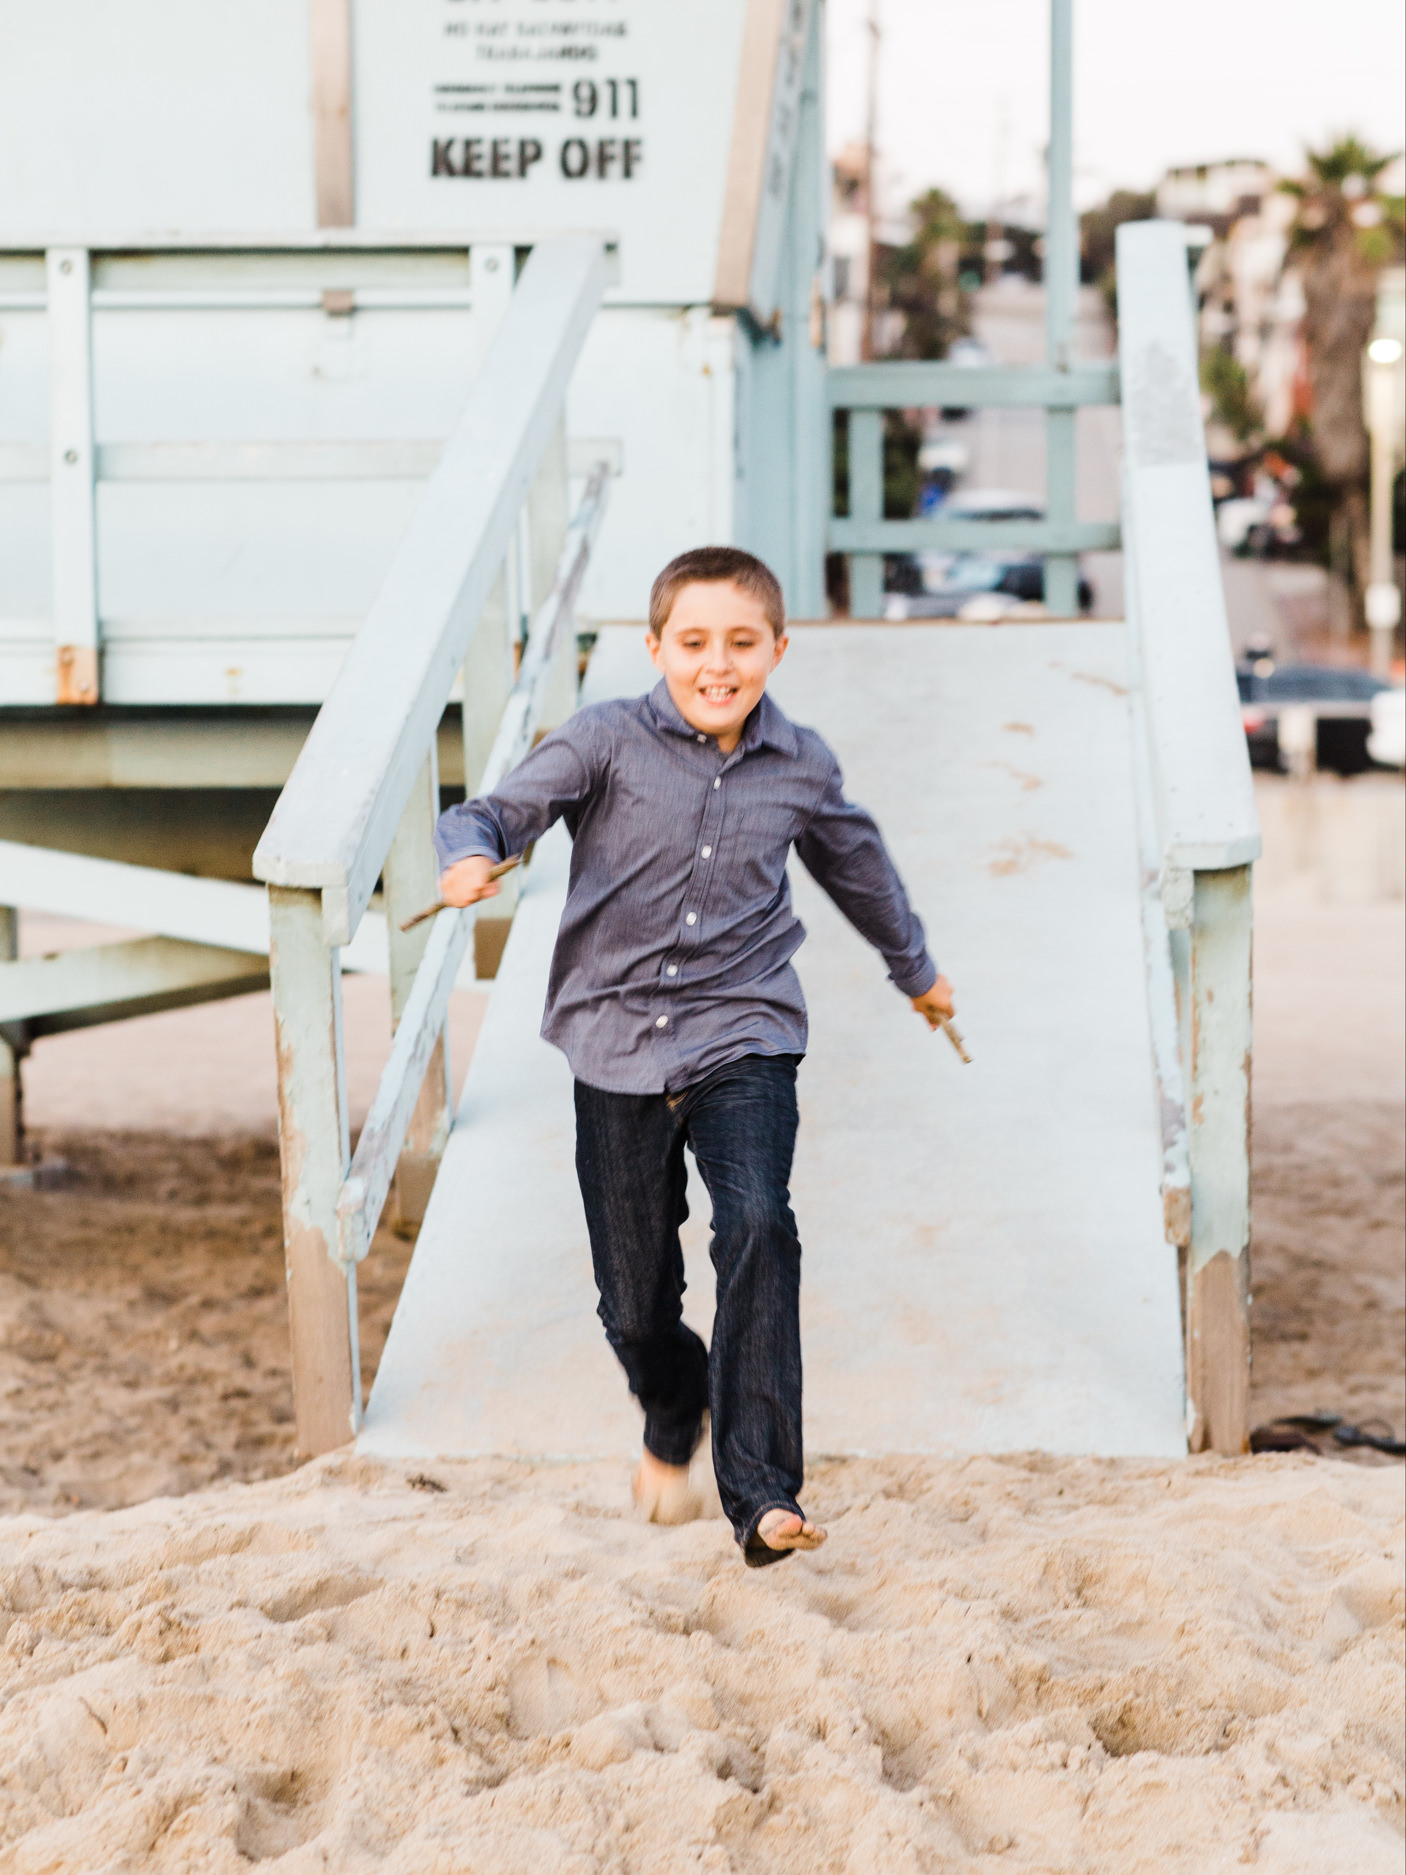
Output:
[[1250, 295]]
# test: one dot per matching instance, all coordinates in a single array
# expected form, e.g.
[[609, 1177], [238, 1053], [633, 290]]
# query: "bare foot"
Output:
[[663, 1492], [783, 1529]]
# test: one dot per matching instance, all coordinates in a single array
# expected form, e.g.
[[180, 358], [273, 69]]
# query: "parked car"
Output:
[[1339, 698]]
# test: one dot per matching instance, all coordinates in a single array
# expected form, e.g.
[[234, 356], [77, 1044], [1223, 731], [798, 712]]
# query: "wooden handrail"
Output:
[[338, 813], [911, 383], [373, 1166], [1202, 790]]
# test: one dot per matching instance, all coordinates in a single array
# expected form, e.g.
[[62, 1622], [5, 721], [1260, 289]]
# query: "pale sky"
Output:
[[1154, 85]]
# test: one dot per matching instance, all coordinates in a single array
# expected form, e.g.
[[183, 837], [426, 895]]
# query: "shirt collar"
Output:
[[766, 727]]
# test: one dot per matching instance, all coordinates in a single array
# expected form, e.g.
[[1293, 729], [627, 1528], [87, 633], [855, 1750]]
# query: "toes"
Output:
[[785, 1530]]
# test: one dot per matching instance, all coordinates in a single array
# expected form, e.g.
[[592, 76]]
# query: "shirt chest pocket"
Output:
[[756, 843]]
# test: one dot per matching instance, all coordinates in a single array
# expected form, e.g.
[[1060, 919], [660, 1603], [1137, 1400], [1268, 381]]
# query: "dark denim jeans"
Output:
[[741, 1123]]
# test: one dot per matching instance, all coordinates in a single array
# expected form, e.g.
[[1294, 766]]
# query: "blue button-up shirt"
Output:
[[674, 952]]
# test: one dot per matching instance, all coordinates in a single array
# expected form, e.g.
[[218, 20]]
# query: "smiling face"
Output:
[[716, 650]]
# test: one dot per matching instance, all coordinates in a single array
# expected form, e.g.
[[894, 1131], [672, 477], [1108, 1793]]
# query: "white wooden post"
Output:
[[11, 1110], [334, 176], [1061, 293], [71, 475], [866, 503], [410, 878], [314, 1148], [1218, 1283]]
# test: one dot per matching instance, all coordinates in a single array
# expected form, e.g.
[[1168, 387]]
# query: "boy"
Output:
[[673, 997]]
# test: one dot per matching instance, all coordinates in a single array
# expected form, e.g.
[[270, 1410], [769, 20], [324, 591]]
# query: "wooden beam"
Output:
[[333, 162], [746, 162], [411, 878], [911, 383], [860, 536], [146, 898], [73, 516], [1218, 1271], [11, 1107], [313, 1141], [78, 989]]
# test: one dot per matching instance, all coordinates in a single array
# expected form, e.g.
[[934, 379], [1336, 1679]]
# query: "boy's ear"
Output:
[[652, 645], [779, 651]]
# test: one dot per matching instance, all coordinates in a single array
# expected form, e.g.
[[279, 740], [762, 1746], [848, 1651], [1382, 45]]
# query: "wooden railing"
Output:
[[866, 391], [361, 802], [1200, 830]]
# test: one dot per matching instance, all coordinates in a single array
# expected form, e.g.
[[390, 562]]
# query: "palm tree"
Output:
[[1345, 231]]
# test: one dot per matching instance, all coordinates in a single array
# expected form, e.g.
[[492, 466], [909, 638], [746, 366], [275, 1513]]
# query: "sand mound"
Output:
[[1021, 1664]]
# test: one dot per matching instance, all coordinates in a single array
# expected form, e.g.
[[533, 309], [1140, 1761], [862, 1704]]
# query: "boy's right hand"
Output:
[[467, 881]]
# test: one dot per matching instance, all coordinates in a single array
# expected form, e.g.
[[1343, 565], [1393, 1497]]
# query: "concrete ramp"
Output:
[[984, 1260]]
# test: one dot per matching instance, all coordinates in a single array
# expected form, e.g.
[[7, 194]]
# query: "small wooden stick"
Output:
[[949, 1029], [496, 872]]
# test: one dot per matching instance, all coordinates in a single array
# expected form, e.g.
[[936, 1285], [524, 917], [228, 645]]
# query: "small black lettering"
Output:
[[529, 151], [606, 153], [501, 160], [472, 163], [575, 159], [442, 157], [634, 154]]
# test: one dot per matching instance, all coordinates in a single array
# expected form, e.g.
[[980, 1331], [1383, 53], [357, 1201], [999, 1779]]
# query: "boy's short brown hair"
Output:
[[707, 565]]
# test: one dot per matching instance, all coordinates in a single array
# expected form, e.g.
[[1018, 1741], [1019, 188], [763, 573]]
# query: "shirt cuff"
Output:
[[915, 979]]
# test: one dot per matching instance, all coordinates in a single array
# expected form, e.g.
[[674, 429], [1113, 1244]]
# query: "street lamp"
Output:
[[1384, 387]]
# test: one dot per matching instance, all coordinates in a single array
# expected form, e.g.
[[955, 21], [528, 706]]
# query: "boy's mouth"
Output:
[[717, 693]]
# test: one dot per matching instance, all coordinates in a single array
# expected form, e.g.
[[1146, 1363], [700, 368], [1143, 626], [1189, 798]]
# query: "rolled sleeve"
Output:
[[844, 852]]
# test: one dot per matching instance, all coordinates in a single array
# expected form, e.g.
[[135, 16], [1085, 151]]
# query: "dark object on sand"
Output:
[[1290, 1433]]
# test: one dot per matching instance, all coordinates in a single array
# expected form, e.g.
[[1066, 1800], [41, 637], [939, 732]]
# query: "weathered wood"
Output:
[[866, 516], [11, 1043], [1202, 789], [409, 879], [414, 1047], [146, 898], [1218, 1321], [334, 175], [313, 1150], [746, 163], [78, 989], [338, 813], [72, 513], [906, 384], [420, 1029], [857, 535]]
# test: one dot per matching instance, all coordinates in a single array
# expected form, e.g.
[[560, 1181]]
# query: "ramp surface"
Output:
[[984, 1260]]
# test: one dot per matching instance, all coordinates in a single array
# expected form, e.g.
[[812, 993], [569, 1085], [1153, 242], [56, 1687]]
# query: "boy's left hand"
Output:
[[936, 1003]]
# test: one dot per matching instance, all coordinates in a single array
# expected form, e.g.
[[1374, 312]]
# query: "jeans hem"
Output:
[[680, 1451]]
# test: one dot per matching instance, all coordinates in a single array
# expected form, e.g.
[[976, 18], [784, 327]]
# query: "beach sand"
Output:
[[995, 1663]]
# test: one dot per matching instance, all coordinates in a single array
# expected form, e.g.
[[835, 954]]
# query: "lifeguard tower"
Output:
[[356, 356]]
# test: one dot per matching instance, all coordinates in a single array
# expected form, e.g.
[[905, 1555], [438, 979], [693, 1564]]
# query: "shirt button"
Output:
[[692, 918], [662, 1022], [718, 781], [707, 852], [702, 738], [672, 971]]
